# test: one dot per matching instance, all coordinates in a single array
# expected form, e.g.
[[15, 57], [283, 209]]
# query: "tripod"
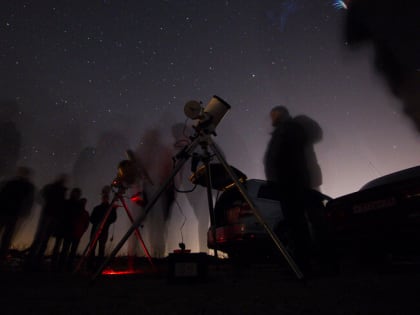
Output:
[[118, 196], [204, 139]]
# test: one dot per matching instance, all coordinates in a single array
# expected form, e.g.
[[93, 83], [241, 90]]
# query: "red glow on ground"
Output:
[[111, 272]]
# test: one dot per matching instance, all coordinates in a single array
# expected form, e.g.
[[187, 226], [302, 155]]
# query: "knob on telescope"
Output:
[[193, 109]]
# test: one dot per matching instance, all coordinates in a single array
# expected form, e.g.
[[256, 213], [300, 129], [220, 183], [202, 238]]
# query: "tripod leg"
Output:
[[152, 202], [206, 161], [91, 245], [138, 235], [256, 212]]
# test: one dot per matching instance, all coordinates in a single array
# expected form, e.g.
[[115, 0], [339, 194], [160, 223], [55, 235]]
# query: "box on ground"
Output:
[[187, 267]]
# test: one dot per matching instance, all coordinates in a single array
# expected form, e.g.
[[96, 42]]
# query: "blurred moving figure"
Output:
[[393, 27], [285, 158], [63, 226], [16, 201], [10, 138], [96, 218], [156, 157], [78, 223], [74, 223], [54, 198], [286, 168]]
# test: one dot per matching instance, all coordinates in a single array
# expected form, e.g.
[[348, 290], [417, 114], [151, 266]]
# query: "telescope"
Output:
[[130, 171], [209, 117], [127, 174]]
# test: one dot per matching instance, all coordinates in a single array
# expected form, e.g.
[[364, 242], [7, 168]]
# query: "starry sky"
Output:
[[94, 78]]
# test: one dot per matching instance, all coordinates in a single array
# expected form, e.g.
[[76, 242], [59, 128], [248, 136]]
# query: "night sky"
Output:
[[94, 78]]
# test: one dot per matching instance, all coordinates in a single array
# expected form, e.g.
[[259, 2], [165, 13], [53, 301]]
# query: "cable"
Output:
[[183, 222], [185, 191]]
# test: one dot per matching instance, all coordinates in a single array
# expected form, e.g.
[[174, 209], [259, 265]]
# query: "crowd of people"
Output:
[[290, 163], [63, 221]]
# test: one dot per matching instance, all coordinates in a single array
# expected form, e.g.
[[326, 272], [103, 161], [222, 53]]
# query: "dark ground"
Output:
[[254, 289]]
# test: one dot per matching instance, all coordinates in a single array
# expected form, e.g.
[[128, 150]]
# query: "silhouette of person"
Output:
[[286, 169], [155, 155], [96, 218], [63, 227], [393, 28], [76, 225], [16, 201], [285, 160], [10, 138], [54, 198]]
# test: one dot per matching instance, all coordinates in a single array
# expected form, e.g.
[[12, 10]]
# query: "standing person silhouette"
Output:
[[16, 201], [54, 198], [96, 219], [63, 228], [76, 225], [10, 138], [285, 167]]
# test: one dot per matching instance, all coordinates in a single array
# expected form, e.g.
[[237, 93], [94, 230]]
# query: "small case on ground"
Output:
[[187, 267]]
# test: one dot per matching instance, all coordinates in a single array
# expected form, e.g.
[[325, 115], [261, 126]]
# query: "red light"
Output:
[[111, 272], [138, 199]]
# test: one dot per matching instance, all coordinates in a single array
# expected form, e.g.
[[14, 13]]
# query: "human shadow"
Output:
[[156, 159], [313, 134]]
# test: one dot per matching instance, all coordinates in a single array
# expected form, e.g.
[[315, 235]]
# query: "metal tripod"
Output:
[[204, 139], [118, 196]]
